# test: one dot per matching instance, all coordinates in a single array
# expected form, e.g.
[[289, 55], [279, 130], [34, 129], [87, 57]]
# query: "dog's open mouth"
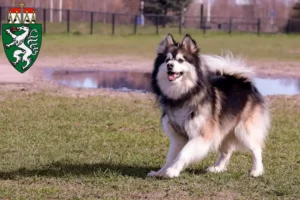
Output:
[[172, 76]]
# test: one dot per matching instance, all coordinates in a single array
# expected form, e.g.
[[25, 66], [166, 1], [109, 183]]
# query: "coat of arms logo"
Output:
[[22, 37]]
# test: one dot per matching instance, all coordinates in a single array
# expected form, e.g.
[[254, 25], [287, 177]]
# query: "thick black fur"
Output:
[[236, 92]]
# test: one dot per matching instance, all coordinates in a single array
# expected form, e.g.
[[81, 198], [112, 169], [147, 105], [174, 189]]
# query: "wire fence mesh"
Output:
[[90, 22]]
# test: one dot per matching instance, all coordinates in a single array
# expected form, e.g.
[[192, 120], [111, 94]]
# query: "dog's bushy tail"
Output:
[[227, 64]]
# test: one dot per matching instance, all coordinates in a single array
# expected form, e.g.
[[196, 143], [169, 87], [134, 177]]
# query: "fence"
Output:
[[88, 22]]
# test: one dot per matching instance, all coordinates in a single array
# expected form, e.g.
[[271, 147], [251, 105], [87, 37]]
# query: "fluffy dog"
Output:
[[208, 103]]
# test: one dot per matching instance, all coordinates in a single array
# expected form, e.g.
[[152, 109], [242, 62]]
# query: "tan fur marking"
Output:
[[208, 130], [218, 106], [256, 115], [179, 56], [247, 110]]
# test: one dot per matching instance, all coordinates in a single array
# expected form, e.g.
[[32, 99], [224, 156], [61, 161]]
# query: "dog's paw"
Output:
[[216, 169], [153, 174], [168, 173], [171, 173], [256, 173]]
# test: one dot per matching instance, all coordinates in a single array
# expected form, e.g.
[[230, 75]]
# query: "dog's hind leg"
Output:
[[177, 142], [257, 167], [255, 147], [226, 149], [252, 134]]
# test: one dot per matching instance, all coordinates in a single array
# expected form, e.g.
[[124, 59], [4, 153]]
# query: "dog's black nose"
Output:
[[170, 66]]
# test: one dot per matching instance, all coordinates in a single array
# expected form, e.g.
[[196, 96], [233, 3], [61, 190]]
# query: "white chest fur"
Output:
[[186, 122], [179, 116]]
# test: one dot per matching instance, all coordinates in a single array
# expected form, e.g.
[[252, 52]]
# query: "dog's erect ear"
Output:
[[190, 44], [165, 43]]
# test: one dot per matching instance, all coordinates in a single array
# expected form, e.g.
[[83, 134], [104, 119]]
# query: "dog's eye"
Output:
[[167, 60], [180, 60]]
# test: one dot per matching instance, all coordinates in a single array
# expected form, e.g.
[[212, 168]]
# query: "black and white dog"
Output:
[[208, 103]]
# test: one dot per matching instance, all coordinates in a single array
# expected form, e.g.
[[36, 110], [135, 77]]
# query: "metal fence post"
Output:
[[164, 21], [92, 22], [201, 15], [204, 26], [0, 20], [68, 21], [156, 23], [230, 26], [180, 24], [258, 26], [288, 27], [44, 20], [113, 23], [135, 24]]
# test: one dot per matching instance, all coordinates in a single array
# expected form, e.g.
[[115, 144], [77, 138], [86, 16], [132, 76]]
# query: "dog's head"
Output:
[[176, 70]]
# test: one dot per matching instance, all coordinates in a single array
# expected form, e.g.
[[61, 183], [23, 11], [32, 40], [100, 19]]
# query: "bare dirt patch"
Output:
[[9, 74], [278, 68], [33, 80], [296, 51]]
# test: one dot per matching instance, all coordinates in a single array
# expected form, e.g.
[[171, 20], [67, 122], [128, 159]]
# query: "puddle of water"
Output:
[[117, 80], [277, 86], [139, 81]]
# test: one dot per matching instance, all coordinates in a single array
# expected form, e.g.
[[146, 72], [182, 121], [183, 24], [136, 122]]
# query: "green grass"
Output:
[[278, 47], [275, 47], [103, 147]]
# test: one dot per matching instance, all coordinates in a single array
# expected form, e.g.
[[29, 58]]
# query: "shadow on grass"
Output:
[[61, 169], [196, 171]]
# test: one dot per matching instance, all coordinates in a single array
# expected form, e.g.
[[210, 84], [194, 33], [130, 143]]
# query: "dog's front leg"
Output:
[[177, 142], [195, 150]]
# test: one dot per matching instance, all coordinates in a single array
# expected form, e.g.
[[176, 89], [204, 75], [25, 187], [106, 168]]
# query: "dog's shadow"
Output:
[[61, 169]]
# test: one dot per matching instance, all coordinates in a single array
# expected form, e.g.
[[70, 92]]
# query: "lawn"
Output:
[[279, 47], [266, 47], [59, 147]]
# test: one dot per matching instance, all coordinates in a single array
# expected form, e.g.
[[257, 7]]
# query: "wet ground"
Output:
[[136, 81], [121, 80]]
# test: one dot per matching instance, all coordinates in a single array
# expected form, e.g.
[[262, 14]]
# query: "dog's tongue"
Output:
[[172, 77]]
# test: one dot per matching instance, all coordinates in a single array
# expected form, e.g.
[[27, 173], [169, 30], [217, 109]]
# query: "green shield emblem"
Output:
[[22, 44]]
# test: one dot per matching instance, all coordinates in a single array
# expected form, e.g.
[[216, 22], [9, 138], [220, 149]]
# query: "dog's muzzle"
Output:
[[172, 76]]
